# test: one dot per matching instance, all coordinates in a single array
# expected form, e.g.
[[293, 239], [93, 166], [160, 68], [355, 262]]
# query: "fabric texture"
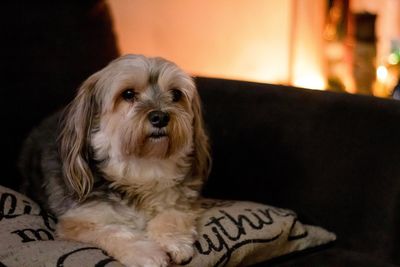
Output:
[[231, 234], [50, 48], [331, 157], [241, 233]]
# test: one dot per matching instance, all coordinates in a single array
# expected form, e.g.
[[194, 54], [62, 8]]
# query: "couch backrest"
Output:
[[334, 158], [49, 48]]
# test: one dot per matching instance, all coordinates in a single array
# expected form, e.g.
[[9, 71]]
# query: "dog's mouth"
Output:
[[158, 135], [157, 144]]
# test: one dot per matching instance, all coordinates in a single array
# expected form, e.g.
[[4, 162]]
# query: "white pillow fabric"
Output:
[[232, 233]]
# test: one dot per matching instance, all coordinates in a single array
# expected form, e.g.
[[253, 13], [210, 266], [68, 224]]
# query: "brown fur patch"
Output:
[[175, 231], [171, 223], [129, 247], [73, 229]]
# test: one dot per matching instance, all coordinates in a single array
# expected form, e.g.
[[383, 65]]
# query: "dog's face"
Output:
[[146, 109], [135, 108]]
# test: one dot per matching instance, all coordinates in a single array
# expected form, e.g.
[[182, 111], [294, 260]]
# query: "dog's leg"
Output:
[[176, 232], [101, 227]]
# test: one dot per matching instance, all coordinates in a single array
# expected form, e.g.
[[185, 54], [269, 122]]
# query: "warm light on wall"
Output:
[[382, 74], [307, 44], [310, 81], [241, 39]]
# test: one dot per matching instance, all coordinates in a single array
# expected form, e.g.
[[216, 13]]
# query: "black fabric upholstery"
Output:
[[332, 257], [331, 157], [49, 48]]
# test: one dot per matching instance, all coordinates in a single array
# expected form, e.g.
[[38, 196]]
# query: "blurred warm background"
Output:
[[341, 45]]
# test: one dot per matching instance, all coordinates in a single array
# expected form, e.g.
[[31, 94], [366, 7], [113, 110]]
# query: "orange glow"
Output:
[[308, 67], [382, 73], [311, 81], [241, 39]]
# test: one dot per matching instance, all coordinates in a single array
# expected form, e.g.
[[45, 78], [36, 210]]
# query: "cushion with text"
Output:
[[238, 233], [231, 233]]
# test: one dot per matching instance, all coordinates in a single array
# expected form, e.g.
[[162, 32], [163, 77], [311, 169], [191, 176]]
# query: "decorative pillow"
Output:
[[231, 234], [237, 233], [27, 238]]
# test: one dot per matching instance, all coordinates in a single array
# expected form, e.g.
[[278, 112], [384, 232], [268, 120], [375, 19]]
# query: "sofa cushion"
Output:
[[231, 233], [241, 233]]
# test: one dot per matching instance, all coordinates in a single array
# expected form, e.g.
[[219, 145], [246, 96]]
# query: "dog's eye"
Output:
[[176, 95], [129, 95]]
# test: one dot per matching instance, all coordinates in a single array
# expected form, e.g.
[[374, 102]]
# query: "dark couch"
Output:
[[333, 158]]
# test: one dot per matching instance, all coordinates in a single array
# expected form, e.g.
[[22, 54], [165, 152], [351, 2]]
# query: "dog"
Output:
[[123, 165]]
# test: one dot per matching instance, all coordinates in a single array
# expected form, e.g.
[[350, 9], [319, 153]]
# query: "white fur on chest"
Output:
[[155, 181], [137, 172]]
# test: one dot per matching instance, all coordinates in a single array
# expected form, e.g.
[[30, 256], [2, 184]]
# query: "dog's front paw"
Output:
[[144, 254], [178, 247], [180, 252], [175, 231]]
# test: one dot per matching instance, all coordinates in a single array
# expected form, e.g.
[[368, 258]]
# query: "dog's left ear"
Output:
[[202, 157], [74, 138]]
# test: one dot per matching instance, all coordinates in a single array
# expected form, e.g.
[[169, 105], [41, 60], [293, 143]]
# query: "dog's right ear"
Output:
[[74, 139]]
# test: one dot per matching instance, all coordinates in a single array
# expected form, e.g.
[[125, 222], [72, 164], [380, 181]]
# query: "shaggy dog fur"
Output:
[[123, 165]]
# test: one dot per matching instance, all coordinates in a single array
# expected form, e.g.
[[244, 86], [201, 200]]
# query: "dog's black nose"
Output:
[[158, 118]]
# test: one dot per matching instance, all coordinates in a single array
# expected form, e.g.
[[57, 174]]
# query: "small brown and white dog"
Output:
[[123, 166]]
